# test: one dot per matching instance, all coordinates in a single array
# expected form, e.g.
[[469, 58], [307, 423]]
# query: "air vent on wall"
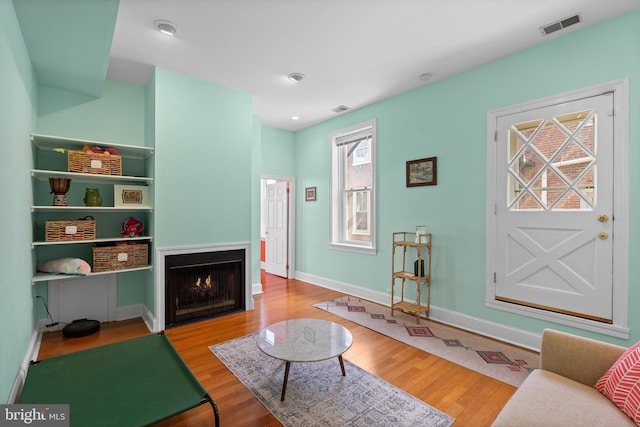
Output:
[[561, 24], [340, 109]]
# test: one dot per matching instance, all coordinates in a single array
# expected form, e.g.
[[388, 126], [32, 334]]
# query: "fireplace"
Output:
[[203, 285]]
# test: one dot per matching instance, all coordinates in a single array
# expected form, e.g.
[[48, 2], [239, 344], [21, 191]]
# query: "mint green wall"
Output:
[[278, 152], [447, 119], [69, 41], [117, 116], [17, 120], [203, 164]]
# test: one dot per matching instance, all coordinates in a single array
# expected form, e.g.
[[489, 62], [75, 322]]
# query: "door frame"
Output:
[[291, 221], [620, 225]]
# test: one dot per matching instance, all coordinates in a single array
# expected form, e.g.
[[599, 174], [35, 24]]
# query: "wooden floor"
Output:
[[469, 397]]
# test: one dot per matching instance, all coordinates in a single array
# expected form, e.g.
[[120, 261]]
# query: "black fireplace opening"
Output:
[[203, 285]]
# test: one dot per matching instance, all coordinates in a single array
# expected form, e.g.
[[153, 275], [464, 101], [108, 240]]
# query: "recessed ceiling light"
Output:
[[167, 28], [425, 77], [340, 109], [295, 77], [295, 118]]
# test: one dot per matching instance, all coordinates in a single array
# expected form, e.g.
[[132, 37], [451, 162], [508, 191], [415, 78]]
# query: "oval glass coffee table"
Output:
[[304, 340]]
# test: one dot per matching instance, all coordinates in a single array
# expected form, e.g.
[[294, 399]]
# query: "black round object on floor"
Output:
[[81, 328]]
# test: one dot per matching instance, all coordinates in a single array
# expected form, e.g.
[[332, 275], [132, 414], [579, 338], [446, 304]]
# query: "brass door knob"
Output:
[[603, 236], [603, 217]]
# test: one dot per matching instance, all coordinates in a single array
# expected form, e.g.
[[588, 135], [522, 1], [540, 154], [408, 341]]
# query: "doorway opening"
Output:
[[277, 231]]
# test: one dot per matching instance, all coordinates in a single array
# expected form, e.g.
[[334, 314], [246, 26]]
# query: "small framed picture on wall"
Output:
[[310, 194]]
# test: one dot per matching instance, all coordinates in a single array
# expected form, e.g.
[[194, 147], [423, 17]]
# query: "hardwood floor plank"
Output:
[[473, 399]]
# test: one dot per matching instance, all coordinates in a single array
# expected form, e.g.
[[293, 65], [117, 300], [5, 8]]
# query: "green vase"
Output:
[[92, 197]]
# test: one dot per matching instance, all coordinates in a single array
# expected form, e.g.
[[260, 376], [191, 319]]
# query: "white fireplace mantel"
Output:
[[161, 253]]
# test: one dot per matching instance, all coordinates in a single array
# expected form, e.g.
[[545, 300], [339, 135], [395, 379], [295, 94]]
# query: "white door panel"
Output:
[[554, 180], [276, 230]]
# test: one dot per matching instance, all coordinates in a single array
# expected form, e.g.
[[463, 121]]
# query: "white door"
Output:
[[554, 208], [276, 228]]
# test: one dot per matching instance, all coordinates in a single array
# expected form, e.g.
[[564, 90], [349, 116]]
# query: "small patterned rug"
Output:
[[489, 357], [318, 394]]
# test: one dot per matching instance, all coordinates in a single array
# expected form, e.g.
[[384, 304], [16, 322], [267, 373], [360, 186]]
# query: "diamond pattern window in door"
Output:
[[552, 163]]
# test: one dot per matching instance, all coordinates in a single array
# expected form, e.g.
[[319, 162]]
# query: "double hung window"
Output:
[[352, 224]]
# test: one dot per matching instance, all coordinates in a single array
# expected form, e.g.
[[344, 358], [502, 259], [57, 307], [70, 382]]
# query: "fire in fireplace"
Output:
[[204, 285]]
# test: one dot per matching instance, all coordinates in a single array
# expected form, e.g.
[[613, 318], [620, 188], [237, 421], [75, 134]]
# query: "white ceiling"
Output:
[[352, 52]]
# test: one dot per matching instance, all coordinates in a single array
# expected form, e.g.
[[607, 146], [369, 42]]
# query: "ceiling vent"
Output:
[[561, 24], [340, 109]]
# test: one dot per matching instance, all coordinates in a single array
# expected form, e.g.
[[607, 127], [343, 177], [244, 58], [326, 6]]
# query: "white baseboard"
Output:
[[501, 332], [130, 312], [150, 320], [498, 331], [256, 289], [31, 354], [356, 291]]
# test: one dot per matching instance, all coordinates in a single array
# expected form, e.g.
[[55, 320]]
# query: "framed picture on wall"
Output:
[[310, 194], [422, 172]]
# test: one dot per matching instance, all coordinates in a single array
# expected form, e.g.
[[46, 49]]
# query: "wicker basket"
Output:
[[140, 255], [65, 230], [94, 163], [120, 257]]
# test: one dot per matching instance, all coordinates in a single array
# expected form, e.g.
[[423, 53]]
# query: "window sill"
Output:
[[353, 248]]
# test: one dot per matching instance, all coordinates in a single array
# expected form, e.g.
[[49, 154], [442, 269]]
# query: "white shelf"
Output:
[[46, 277], [49, 142], [102, 240], [87, 209], [89, 178]]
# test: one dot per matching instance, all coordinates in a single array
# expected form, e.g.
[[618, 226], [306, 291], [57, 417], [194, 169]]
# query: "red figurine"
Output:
[[132, 227]]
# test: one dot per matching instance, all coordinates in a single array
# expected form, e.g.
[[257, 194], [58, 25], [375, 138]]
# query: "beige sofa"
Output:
[[561, 392]]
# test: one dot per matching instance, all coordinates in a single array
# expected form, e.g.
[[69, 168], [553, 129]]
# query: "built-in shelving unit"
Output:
[[43, 143]]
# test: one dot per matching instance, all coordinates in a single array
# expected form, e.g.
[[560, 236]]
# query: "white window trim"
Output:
[[619, 328], [334, 200]]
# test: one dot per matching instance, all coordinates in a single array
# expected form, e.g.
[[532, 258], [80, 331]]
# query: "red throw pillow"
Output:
[[621, 383]]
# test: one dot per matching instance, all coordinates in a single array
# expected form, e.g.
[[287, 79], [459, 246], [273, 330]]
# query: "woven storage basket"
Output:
[[59, 231], [140, 255], [95, 163], [120, 257]]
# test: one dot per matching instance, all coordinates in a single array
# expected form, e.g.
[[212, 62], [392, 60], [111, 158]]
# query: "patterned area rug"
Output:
[[318, 394], [489, 357]]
